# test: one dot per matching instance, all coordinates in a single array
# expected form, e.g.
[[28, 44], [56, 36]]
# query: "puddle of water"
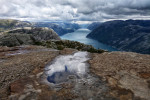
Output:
[[58, 77], [64, 66], [71, 72]]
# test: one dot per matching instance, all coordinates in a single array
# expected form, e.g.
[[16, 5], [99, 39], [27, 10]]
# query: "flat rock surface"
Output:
[[18, 62], [126, 70], [112, 76]]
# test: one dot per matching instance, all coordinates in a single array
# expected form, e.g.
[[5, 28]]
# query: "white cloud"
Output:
[[87, 10]]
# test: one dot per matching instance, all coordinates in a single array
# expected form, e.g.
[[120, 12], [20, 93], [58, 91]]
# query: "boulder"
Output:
[[16, 40], [38, 33]]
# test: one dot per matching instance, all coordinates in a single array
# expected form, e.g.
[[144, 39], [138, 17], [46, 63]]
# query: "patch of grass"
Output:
[[60, 45]]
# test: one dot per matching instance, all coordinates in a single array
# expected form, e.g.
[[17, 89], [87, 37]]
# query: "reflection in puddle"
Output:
[[58, 77], [64, 66], [70, 73]]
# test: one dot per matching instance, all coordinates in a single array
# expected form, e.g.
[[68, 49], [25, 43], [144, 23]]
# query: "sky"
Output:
[[74, 10]]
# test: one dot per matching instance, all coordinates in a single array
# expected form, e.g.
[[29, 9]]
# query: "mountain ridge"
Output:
[[59, 28], [129, 35]]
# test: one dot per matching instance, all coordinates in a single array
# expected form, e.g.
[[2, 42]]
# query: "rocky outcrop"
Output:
[[38, 33], [27, 36], [16, 40], [129, 35], [7, 24]]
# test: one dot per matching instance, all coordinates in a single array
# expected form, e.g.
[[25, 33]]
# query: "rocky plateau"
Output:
[[114, 75]]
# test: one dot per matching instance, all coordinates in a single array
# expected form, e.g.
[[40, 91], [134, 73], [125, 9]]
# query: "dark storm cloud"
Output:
[[87, 10]]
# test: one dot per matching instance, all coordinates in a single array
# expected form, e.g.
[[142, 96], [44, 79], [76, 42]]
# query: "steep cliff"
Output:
[[129, 35], [94, 25]]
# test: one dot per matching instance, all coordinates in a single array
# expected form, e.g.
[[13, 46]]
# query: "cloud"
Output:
[[86, 10]]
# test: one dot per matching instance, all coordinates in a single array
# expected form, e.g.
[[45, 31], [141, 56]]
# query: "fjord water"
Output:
[[80, 36]]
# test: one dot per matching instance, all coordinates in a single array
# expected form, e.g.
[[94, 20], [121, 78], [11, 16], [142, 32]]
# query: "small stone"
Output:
[[39, 74], [1, 72], [29, 86], [16, 87], [38, 91]]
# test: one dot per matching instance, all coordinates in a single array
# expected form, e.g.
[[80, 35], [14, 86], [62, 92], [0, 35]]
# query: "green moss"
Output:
[[60, 47], [92, 50], [38, 43]]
